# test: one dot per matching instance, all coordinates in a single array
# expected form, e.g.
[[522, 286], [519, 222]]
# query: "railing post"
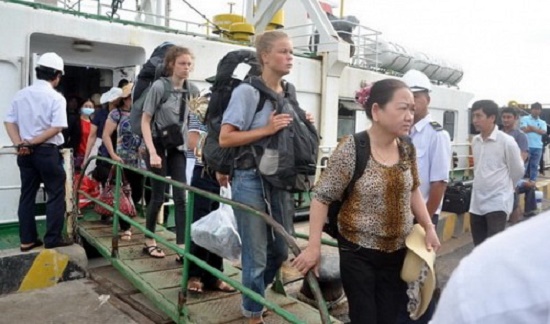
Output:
[[185, 270], [116, 206]]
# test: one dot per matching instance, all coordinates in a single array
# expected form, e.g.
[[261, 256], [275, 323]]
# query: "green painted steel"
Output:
[[180, 314], [330, 242]]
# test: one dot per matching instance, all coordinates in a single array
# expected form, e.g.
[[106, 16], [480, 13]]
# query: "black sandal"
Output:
[[36, 243], [153, 248]]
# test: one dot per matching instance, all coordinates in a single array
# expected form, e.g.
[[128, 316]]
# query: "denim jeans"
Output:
[[45, 165], [532, 170], [173, 164], [263, 251]]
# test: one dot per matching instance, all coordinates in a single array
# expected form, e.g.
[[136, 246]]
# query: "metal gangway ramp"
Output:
[[163, 281]]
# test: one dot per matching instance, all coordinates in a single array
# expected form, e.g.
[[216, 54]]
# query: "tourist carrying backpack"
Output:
[[242, 127], [164, 129]]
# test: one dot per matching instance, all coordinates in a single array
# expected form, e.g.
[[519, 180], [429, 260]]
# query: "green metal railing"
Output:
[[185, 252]]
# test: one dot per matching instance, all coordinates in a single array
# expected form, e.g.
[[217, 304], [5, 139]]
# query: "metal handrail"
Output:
[[185, 253]]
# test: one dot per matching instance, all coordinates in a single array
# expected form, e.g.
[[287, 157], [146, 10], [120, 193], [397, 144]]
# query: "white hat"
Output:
[[52, 61], [417, 81], [113, 94], [418, 272]]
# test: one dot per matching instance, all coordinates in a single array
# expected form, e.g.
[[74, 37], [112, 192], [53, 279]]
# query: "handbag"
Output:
[[126, 205], [171, 136], [457, 198]]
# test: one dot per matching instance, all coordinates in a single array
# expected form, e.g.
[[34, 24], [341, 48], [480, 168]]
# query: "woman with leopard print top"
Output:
[[378, 214]]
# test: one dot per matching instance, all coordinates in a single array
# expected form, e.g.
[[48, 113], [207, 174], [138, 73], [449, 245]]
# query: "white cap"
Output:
[[417, 81], [52, 61], [113, 94]]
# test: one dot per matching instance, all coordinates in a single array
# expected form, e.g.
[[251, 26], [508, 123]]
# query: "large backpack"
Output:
[[288, 158], [214, 157], [152, 70]]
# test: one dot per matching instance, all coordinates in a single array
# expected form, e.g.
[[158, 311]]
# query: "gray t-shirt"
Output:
[[521, 139], [241, 109], [167, 113]]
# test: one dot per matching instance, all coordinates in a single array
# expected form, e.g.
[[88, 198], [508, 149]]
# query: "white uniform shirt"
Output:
[[37, 108], [503, 281], [433, 155], [497, 168]]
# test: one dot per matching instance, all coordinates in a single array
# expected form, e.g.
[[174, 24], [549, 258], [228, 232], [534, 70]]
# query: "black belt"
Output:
[[48, 145]]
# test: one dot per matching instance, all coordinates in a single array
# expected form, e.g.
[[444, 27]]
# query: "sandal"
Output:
[[194, 285], [151, 249], [179, 259], [223, 287], [27, 248], [126, 235]]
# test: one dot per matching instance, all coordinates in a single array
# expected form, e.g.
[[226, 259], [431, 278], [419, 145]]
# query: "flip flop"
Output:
[[126, 236], [223, 287], [194, 285], [36, 243], [153, 248]]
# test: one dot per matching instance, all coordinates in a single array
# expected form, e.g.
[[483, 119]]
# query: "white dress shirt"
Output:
[[503, 281], [37, 108], [433, 155], [497, 168]]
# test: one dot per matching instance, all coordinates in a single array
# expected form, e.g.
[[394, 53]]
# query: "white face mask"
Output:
[[87, 111]]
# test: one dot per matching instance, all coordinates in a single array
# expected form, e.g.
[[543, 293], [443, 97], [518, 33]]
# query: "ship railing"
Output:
[[363, 41], [185, 252]]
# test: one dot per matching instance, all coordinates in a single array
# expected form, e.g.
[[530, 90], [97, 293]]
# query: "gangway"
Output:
[[163, 280]]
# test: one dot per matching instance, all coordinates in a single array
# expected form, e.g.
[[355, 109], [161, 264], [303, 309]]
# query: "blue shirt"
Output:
[[535, 140]]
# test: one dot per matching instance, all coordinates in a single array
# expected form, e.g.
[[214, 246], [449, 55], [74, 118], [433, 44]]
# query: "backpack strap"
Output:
[[362, 156]]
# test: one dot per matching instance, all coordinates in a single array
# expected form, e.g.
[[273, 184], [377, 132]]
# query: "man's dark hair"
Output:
[[489, 108], [536, 105], [509, 110], [46, 73]]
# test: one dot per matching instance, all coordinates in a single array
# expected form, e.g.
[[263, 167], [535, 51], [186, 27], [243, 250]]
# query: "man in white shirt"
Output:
[[497, 168], [503, 281], [433, 156], [34, 121]]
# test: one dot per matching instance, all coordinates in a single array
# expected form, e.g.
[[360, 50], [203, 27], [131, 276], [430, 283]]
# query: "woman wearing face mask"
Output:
[[86, 110]]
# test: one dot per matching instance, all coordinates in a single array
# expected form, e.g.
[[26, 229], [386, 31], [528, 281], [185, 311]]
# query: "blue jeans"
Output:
[[532, 170], [45, 165], [263, 251]]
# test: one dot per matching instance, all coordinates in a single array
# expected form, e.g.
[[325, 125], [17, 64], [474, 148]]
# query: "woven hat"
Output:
[[113, 94], [418, 272]]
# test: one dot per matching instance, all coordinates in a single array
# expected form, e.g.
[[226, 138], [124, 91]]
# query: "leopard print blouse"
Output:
[[377, 214]]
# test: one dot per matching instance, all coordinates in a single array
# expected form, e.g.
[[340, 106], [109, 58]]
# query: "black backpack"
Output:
[[362, 156], [214, 157], [151, 71], [288, 158]]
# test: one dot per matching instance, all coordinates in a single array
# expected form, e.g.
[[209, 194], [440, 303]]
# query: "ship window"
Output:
[[346, 121], [449, 123]]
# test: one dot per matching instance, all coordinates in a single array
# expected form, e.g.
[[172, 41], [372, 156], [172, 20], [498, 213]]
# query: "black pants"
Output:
[[485, 226], [43, 165], [202, 207], [173, 164], [372, 283]]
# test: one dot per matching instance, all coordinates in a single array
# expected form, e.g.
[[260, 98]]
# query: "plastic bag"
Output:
[[90, 186], [217, 231]]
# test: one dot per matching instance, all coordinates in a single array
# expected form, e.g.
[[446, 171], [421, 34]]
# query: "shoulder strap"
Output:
[[362, 156], [167, 90]]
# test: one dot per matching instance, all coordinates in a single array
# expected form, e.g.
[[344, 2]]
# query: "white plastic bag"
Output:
[[217, 231]]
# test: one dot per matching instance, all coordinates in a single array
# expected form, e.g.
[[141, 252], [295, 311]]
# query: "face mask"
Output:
[[87, 111]]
